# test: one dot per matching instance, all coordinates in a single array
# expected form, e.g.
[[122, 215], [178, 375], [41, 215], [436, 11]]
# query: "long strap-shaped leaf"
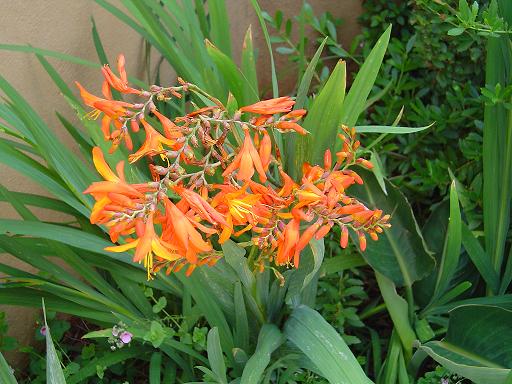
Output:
[[320, 342]]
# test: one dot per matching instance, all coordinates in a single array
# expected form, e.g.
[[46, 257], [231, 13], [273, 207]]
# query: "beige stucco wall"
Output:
[[65, 26]]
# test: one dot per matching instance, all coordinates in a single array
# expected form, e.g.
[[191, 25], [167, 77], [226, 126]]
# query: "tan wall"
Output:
[[64, 25]]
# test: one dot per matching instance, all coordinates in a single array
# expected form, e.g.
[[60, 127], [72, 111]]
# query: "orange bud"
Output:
[[323, 231], [327, 160], [344, 237], [362, 241]]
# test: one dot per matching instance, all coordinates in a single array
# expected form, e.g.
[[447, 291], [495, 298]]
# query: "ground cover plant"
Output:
[[242, 270]]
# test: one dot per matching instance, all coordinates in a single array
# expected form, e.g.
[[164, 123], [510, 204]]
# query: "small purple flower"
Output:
[[42, 331], [445, 381], [125, 337]]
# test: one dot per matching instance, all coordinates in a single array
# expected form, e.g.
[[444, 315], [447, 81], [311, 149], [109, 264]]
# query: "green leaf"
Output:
[[155, 368], [219, 25], [269, 339], [309, 331], [241, 331], [342, 262], [399, 312], [479, 258], [248, 66], [389, 129], [363, 83], [209, 306], [234, 255], [215, 356], [322, 122], [476, 344], [235, 80], [497, 152], [6, 372], [49, 53], [54, 373], [400, 254], [257, 9], [160, 304], [119, 356], [456, 31], [451, 251], [70, 236], [305, 82]]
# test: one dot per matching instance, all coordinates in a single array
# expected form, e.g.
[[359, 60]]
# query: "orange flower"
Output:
[[112, 108], [179, 231], [112, 183], [119, 84], [270, 107], [288, 243], [171, 130], [240, 208], [153, 145], [147, 245], [246, 161], [200, 206]]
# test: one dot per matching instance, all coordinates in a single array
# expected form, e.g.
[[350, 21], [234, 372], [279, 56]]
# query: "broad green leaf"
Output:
[[269, 339], [235, 257], [215, 356], [309, 331], [322, 121], [389, 129], [400, 254], [476, 345], [54, 373], [6, 372], [302, 281], [399, 312], [502, 301], [363, 83]]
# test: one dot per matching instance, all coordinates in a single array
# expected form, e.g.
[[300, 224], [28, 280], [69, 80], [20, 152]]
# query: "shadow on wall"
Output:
[[66, 27]]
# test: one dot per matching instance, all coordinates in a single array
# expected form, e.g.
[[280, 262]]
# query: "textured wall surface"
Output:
[[65, 26]]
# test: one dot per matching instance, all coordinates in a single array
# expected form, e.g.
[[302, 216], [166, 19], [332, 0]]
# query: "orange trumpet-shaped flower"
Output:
[[179, 231], [111, 108], [147, 245], [270, 107], [119, 83], [288, 243], [200, 206], [112, 183], [171, 130], [246, 161], [153, 145]]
